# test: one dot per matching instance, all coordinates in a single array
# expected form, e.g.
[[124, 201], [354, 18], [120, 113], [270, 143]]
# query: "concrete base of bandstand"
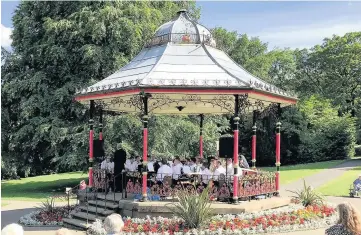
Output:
[[136, 209]]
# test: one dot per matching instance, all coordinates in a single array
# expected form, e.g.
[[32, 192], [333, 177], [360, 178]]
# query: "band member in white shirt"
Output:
[[193, 165], [138, 164], [219, 170], [135, 164], [177, 169], [108, 166], [163, 171], [128, 164], [150, 164], [186, 167], [205, 173], [229, 168]]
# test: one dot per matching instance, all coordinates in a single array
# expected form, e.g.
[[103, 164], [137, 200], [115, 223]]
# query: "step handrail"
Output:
[[68, 192]]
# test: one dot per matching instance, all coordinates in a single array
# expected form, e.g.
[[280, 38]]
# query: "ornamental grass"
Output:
[[194, 209]]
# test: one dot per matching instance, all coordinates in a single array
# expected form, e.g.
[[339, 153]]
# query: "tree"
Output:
[[333, 70], [58, 47], [277, 66], [225, 40], [283, 69]]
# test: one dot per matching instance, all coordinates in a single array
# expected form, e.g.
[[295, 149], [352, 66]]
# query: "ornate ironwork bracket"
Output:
[[273, 111]]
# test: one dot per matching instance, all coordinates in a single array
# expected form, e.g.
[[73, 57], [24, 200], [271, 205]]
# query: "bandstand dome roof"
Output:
[[181, 66]]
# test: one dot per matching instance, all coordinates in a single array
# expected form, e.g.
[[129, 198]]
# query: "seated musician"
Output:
[[150, 164], [163, 171], [229, 168], [199, 163], [140, 166], [157, 164], [177, 169], [205, 173], [212, 164], [132, 166], [186, 167], [137, 164], [243, 162], [128, 164], [219, 170], [193, 165], [108, 166]]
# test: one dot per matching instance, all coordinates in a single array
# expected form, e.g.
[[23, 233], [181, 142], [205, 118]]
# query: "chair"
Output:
[[221, 180]]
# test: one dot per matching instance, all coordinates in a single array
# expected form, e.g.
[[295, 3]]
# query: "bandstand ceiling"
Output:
[[184, 73]]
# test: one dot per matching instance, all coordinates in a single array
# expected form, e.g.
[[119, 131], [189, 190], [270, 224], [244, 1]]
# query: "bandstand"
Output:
[[180, 71]]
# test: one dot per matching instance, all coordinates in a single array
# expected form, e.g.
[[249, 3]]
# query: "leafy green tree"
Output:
[[169, 136], [329, 136], [333, 70], [276, 66], [58, 47]]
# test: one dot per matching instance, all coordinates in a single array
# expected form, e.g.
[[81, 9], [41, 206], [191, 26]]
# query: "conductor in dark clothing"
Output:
[[120, 156]]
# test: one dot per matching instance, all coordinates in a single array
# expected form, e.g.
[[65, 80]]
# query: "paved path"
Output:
[[12, 212], [318, 179]]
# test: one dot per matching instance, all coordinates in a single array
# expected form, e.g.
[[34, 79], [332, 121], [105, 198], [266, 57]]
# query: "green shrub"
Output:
[[311, 131], [194, 209], [328, 135], [48, 205], [8, 169], [358, 150], [307, 196]]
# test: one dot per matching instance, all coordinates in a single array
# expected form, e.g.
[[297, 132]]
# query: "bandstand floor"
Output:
[[135, 209]]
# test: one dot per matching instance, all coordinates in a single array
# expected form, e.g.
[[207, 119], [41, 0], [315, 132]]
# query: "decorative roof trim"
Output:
[[195, 83], [179, 90]]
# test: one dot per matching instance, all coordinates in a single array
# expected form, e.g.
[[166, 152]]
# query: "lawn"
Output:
[[295, 172], [340, 186], [39, 187]]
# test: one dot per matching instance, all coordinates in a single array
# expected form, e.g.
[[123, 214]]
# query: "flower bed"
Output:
[[285, 219], [46, 218]]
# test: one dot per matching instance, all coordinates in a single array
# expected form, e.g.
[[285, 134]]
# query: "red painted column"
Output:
[[235, 163], [145, 161], [101, 129], [145, 146], [201, 146], [201, 136], [235, 148], [278, 155], [91, 138], [254, 139]]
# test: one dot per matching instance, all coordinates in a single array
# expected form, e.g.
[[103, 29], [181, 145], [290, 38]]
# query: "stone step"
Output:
[[110, 197], [91, 217], [93, 209], [107, 204], [77, 223]]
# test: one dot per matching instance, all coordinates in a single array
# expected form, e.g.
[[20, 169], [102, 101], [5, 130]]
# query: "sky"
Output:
[[281, 24]]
